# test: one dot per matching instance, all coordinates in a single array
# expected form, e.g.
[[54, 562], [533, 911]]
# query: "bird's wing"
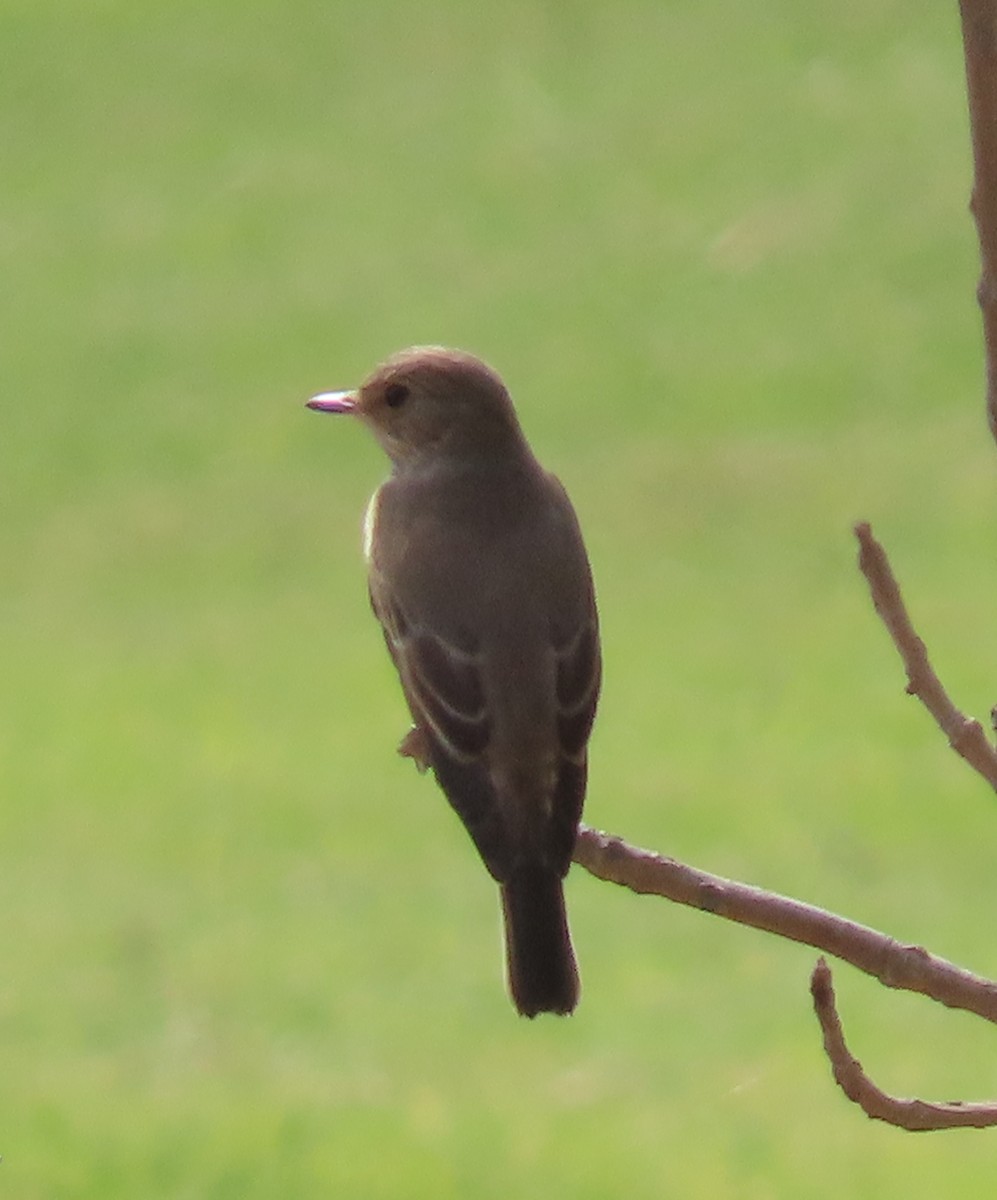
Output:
[[442, 681], [579, 670], [579, 673], [442, 684]]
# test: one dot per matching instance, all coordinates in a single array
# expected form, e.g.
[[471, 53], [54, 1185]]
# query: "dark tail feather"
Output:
[[541, 966]]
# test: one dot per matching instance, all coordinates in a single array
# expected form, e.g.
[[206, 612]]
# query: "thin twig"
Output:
[[915, 1115], [966, 736], [894, 964]]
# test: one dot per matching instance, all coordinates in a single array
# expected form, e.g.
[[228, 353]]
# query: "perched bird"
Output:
[[478, 575]]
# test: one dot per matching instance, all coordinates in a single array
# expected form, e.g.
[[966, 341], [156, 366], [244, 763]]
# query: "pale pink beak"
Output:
[[333, 402]]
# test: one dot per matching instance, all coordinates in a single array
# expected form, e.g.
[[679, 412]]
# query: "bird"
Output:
[[478, 574]]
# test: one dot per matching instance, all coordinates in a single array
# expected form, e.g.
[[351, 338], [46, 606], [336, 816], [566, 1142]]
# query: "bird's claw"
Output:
[[415, 745]]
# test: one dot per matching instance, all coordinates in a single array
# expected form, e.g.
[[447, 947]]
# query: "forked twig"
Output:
[[918, 1116], [894, 964]]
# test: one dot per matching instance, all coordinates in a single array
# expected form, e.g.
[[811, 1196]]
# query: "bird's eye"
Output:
[[395, 395]]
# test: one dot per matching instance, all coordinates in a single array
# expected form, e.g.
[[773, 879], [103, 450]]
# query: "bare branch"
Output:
[[979, 36], [894, 964], [965, 735], [915, 1115]]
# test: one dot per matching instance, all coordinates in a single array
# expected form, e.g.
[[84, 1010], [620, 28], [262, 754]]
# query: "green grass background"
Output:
[[723, 257]]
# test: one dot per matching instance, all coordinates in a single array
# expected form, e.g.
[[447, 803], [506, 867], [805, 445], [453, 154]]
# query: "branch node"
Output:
[[710, 897]]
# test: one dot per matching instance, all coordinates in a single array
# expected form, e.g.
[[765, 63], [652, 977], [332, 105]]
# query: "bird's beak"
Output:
[[333, 402]]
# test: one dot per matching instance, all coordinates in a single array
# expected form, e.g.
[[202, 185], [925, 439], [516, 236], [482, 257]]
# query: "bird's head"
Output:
[[430, 403]]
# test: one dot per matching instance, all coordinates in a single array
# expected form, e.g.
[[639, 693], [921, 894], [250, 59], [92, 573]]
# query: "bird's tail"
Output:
[[540, 962]]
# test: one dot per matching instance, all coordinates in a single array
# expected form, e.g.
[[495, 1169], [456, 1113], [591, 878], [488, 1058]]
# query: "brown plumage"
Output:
[[479, 577]]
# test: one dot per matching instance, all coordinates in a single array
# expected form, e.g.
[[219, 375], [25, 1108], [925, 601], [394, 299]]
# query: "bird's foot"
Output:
[[415, 745]]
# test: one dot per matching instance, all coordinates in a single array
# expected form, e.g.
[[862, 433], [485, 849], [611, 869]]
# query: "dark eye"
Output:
[[395, 395]]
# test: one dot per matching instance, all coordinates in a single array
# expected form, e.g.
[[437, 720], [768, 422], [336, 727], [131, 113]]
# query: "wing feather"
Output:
[[579, 672], [442, 683]]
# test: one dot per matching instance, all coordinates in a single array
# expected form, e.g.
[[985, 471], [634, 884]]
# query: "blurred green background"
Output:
[[722, 255]]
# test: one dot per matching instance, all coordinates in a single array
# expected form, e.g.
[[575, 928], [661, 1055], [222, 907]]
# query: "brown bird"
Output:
[[478, 575]]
